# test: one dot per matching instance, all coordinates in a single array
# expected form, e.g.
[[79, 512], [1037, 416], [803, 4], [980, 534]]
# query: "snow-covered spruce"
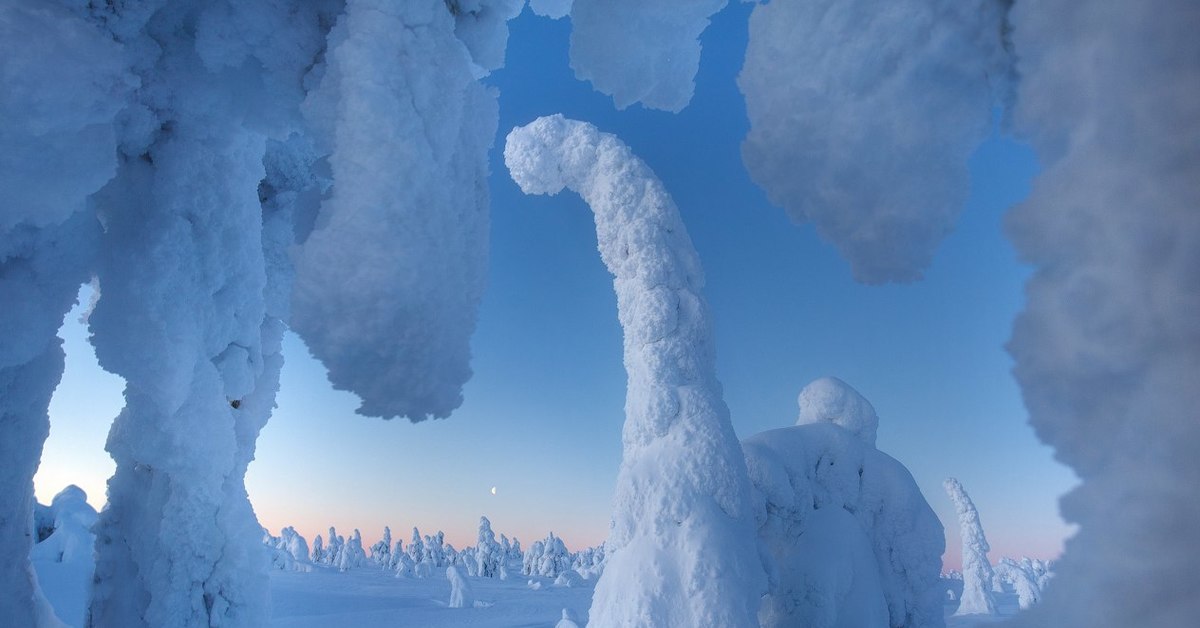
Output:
[[62, 557], [682, 550], [64, 83], [1022, 580], [381, 551], [461, 595], [976, 598], [852, 540]]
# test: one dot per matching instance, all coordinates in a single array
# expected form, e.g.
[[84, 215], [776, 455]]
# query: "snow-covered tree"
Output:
[[976, 598], [416, 547], [681, 518], [851, 538], [381, 551], [488, 553], [318, 551], [461, 595], [1021, 579]]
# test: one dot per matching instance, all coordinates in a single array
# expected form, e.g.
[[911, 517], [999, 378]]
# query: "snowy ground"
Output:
[[1006, 607], [366, 598]]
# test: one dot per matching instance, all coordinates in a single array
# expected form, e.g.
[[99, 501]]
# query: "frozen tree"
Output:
[[416, 547], [64, 82], [1022, 580], [850, 537], [976, 596], [532, 559], [461, 595], [567, 621], [863, 114], [488, 553], [381, 551], [318, 551], [638, 51], [681, 545]]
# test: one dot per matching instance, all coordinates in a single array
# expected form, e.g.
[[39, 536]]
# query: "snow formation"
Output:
[[850, 538], [863, 114], [389, 281], [681, 548], [1107, 350], [64, 83], [461, 595], [639, 51], [209, 139], [976, 598]]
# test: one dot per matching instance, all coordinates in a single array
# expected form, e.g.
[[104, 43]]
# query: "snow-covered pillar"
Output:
[[64, 81], [682, 544], [977, 573]]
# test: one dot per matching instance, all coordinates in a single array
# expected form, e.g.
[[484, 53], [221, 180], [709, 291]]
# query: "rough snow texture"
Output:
[[638, 51], [976, 598], [553, 9], [1107, 350], [829, 399], [62, 557], [681, 548], [64, 82], [822, 494], [863, 114], [389, 282]]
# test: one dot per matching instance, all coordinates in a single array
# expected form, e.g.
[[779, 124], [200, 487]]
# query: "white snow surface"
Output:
[[681, 549], [638, 51], [804, 473], [1107, 350], [863, 114], [389, 282], [976, 597], [553, 9], [832, 400]]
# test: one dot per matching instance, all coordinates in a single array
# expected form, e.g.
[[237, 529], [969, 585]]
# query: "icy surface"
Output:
[[681, 548], [863, 114], [804, 473], [832, 400], [388, 284], [976, 597], [638, 51], [1107, 350]]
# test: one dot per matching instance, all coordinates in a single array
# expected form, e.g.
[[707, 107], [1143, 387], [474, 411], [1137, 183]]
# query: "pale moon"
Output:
[[493, 490]]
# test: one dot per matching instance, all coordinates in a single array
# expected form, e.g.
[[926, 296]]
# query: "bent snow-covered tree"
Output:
[[682, 548], [977, 572]]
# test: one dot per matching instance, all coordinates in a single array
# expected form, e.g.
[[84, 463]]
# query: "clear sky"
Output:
[[543, 413]]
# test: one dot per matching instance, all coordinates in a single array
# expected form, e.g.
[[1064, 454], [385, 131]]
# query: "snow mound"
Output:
[[830, 399]]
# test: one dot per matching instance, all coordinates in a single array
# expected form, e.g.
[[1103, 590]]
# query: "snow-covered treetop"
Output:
[[831, 400]]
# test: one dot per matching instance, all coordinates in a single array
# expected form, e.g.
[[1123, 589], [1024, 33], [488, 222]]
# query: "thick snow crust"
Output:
[[681, 549], [863, 114], [822, 494], [1107, 350], [976, 598], [832, 400], [638, 51]]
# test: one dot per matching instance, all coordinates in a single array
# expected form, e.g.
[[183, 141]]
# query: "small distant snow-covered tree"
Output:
[[381, 551], [461, 595], [488, 553], [976, 598]]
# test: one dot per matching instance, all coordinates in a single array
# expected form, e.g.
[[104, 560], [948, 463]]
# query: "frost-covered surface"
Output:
[[863, 114], [831, 400], [63, 84], [554, 9], [1107, 350], [821, 479], [638, 51], [681, 548], [976, 597], [389, 282]]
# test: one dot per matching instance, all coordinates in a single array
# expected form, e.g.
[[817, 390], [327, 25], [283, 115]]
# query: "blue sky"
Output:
[[543, 413]]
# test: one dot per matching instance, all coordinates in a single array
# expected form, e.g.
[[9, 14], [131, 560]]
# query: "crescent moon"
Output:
[[493, 490]]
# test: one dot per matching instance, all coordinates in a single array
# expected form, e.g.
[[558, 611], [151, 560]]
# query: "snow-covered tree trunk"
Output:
[[977, 572], [682, 543], [64, 81]]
